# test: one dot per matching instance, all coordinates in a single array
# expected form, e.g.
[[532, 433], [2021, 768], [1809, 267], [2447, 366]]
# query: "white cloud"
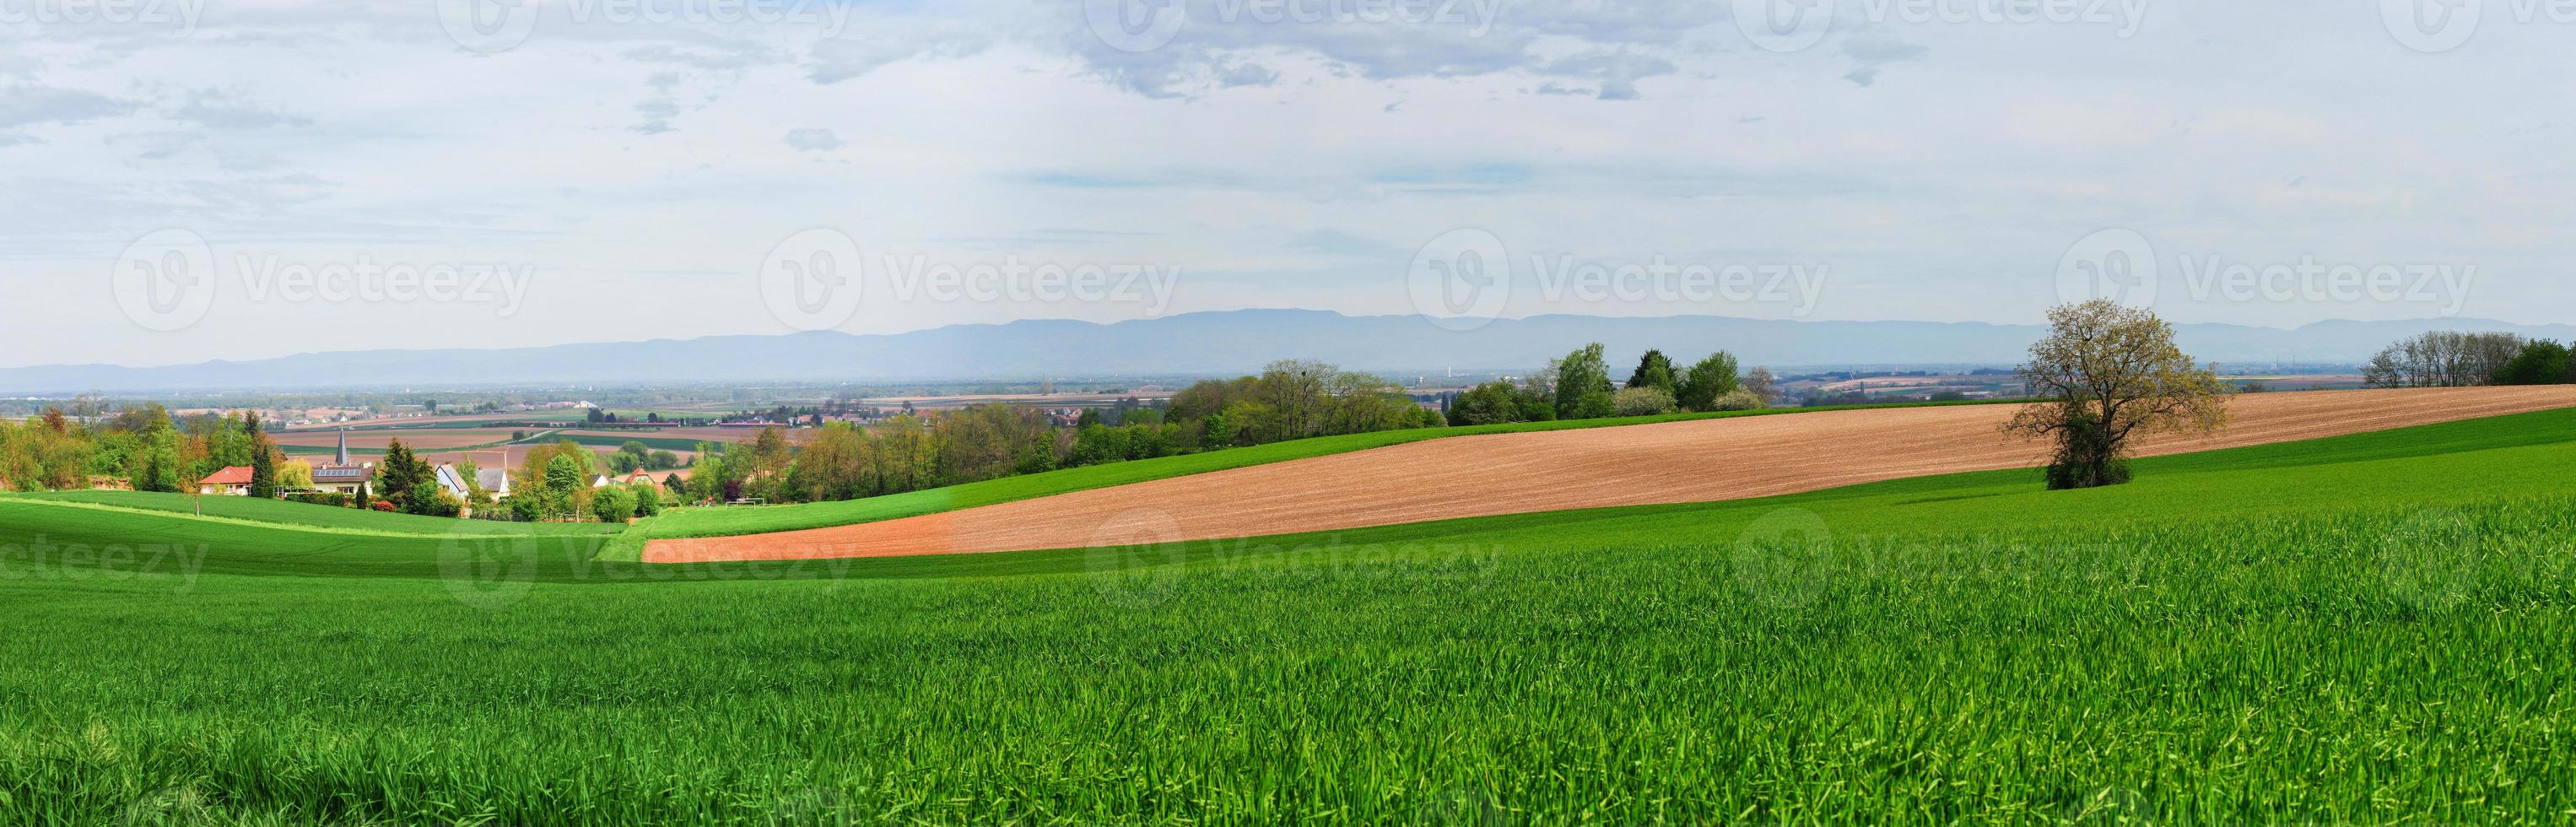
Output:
[[813, 140]]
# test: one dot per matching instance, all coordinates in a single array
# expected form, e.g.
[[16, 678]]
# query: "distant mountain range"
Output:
[[1203, 343]]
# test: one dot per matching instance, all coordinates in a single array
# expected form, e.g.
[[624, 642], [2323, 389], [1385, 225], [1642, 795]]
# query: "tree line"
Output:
[[1578, 386], [141, 445], [2453, 359], [1291, 399]]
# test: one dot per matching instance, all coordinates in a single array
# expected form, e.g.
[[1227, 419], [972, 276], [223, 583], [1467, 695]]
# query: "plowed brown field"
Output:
[[1475, 476]]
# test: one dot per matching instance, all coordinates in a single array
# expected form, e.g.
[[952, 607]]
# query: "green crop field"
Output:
[[736, 521], [294, 514], [2367, 629]]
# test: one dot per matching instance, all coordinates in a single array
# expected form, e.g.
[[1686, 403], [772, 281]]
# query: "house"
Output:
[[638, 476], [599, 481], [341, 476], [230, 482], [493, 480], [454, 482]]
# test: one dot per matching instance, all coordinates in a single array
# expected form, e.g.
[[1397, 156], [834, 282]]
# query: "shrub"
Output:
[[384, 506], [1741, 400], [648, 498], [1644, 401], [432, 501], [613, 505]]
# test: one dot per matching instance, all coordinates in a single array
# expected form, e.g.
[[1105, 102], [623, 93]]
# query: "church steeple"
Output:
[[344, 446]]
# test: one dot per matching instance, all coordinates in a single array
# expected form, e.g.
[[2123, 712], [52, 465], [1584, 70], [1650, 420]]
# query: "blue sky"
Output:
[[625, 169]]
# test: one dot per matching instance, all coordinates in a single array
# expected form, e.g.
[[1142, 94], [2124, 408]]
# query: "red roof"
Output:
[[236, 475]]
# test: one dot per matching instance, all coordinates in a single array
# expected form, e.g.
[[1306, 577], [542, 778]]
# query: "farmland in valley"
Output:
[[1686, 461], [2327, 631]]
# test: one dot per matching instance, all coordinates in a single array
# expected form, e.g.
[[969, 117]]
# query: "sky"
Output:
[[190, 180]]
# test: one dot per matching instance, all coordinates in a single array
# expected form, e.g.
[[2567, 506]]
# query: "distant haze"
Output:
[[1204, 343]]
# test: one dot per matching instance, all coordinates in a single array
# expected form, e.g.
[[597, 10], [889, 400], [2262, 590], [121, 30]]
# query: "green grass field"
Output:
[[2368, 629], [294, 514], [736, 521]]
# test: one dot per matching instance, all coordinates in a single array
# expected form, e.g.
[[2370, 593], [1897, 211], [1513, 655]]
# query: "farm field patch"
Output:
[[1470, 476]]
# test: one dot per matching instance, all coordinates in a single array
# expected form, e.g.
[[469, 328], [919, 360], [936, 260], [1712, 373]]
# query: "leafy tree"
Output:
[[1491, 403], [430, 501], [296, 474], [564, 481], [1583, 389], [1655, 371], [647, 497], [2112, 372], [1711, 378], [614, 504], [2542, 362]]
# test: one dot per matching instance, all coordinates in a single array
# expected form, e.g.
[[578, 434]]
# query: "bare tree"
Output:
[[2443, 359], [2113, 373]]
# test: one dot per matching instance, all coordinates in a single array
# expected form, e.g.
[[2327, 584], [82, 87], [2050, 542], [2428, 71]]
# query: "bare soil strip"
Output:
[[1476, 476]]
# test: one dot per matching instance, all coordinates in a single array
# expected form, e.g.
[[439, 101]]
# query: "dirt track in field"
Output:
[[1678, 462]]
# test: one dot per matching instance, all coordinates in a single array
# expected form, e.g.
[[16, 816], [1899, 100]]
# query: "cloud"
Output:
[[813, 140], [1615, 73], [1873, 51], [838, 59], [232, 109], [24, 105]]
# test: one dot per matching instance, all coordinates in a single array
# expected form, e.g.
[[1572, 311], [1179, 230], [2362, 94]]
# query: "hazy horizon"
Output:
[[615, 170]]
